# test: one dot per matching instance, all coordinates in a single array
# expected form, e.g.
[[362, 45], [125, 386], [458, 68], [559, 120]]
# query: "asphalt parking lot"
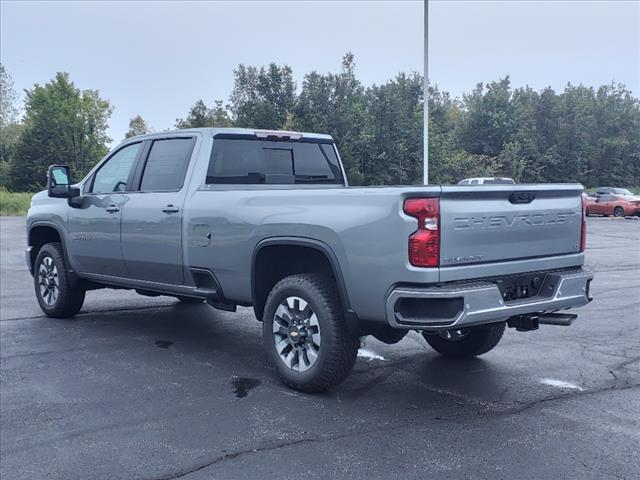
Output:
[[146, 388]]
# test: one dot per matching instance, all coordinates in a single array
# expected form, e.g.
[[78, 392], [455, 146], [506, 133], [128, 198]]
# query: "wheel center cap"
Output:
[[296, 335]]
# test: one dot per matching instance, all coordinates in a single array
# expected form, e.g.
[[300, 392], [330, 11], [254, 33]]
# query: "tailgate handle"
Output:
[[522, 197]]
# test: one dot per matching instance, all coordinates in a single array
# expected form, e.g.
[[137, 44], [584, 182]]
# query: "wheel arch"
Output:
[[41, 233], [276, 246], [621, 207]]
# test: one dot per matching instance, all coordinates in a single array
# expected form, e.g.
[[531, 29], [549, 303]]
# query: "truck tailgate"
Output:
[[497, 223]]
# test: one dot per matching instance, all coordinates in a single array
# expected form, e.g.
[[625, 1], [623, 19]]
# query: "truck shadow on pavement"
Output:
[[223, 347]]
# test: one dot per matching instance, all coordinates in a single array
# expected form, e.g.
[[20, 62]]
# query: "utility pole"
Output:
[[425, 174]]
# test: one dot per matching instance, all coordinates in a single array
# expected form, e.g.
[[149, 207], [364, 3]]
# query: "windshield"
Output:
[[622, 191]]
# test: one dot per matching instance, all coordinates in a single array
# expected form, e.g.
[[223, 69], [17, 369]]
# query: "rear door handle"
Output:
[[170, 209], [112, 208]]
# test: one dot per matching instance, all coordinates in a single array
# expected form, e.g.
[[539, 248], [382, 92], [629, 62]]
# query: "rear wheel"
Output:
[[466, 342], [618, 212], [53, 285], [587, 212], [305, 334]]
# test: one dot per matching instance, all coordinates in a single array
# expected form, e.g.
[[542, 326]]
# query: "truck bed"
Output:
[[484, 233]]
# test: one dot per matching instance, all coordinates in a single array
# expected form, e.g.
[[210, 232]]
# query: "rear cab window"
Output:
[[498, 181], [257, 161]]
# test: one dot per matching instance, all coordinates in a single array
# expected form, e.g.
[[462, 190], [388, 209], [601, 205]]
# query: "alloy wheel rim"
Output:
[[296, 334], [48, 281]]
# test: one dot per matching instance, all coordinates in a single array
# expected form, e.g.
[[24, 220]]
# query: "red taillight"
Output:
[[424, 243], [583, 235]]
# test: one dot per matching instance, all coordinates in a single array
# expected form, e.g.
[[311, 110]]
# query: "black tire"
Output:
[[69, 298], [476, 341], [338, 348], [190, 300], [587, 212], [618, 212]]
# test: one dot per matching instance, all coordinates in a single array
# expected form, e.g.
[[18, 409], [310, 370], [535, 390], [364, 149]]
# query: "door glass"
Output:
[[167, 164], [114, 174]]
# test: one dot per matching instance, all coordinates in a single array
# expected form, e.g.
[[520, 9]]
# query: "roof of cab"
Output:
[[234, 131]]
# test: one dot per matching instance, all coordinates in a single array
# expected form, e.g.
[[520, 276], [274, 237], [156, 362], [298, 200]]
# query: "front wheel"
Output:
[[618, 212], [467, 342], [305, 334], [56, 294]]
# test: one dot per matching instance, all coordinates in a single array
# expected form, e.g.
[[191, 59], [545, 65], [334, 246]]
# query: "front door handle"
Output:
[[112, 208], [170, 209]]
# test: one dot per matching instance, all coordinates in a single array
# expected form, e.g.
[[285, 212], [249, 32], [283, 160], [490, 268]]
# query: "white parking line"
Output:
[[363, 352], [560, 384]]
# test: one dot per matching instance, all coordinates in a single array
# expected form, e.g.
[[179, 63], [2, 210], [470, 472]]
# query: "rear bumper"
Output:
[[466, 304]]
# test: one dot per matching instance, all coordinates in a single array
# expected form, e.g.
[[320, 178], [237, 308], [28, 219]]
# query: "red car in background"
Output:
[[618, 202]]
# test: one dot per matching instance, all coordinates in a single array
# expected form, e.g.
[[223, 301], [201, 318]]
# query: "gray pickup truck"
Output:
[[267, 219]]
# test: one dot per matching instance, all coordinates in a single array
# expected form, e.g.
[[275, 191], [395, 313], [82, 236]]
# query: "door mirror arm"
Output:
[[75, 198]]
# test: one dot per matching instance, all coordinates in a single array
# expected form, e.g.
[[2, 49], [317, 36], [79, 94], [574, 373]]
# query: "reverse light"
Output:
[[583, 234], [424, 243]]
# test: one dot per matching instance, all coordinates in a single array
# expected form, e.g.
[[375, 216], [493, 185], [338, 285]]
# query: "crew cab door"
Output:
[[94, 227], [152, 218]]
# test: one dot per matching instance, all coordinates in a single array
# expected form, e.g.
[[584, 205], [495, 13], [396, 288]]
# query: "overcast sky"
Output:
[[157, 58]]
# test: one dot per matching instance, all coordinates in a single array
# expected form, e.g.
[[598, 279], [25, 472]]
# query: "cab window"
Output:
[[243, 161], [167, 165], [113, 175]]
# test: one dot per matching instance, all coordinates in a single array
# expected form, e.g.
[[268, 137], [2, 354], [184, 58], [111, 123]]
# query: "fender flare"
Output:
[[63, 240], [349, 314]]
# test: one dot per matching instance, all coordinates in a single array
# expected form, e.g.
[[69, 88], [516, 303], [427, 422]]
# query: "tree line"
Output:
[[582, 134]]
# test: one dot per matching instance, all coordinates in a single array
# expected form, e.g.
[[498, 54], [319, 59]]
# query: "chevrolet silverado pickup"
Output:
[[237, 217]]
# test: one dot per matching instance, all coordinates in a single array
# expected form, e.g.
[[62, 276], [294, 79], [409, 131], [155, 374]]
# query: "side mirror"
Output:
[[58, 181]]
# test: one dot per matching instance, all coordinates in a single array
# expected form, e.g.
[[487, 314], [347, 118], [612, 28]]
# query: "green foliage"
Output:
[[394, 127], [202, 116], [487, 120], [9, 129], [9, 135], [14, 203], [581, 134], [262, 98], [137, 126], [62, 125], [336, 104], [8, 99]]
